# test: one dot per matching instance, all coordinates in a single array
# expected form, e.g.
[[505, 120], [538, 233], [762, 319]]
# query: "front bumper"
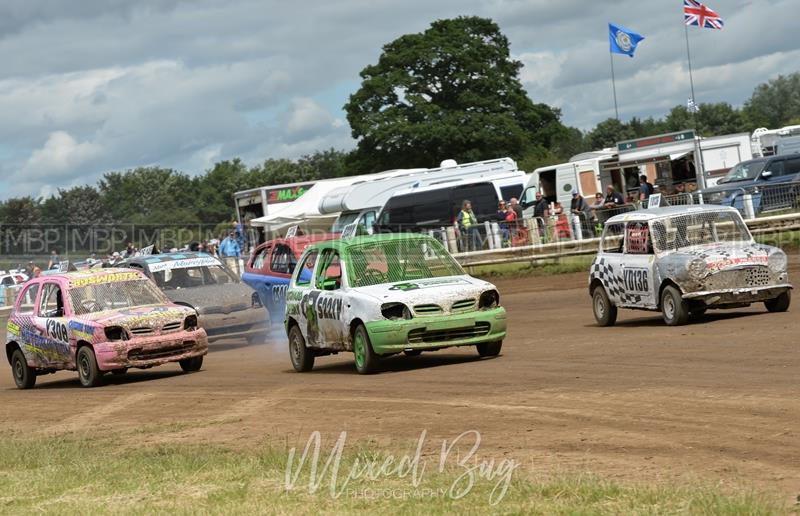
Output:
[[253, 321], [151, 351], [429, 333], [729, 296]]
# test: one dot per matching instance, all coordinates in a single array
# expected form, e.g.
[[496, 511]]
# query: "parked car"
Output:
[[386, 294], [773, 182], [684, 260], [227, 307], [270, 268], [98, 322]]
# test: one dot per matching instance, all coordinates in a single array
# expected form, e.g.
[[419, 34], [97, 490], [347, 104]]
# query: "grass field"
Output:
[[80, 475]]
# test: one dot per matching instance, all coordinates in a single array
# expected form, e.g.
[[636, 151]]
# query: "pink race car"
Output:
[[98, 322]]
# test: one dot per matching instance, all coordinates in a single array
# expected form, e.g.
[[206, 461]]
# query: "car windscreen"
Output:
[[743, 172], [344, 220], [683, 231], [114, 295], [396, 260], [190, 277]]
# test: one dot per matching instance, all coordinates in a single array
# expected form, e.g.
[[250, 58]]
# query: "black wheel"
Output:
[[489, 349], [780, 303], [24, 375], [674, 308], [412, 352], [119, 372], [190, 365], [366, 358], [302, 357], [88, 372], [605, 313]]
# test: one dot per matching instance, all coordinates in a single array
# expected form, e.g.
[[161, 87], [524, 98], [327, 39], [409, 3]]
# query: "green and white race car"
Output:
[[386, 294]]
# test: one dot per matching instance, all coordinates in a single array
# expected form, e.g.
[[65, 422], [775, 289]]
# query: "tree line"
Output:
[[452, 91]]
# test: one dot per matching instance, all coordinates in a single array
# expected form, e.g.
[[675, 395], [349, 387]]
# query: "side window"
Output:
[[791, 166], [613, 238], [51, 303], [329, 276], [260, 256], [368, 220], [283, 261], [307, 270], [8, 281], [28, 300], [776, 167], [637, 238]]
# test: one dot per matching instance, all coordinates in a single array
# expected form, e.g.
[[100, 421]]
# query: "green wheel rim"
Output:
[[358, 349]]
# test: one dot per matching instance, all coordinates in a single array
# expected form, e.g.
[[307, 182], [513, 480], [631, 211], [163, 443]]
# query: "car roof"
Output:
[[300, 242], [164, 257], [668, 211], [369, 239], [84, 274]]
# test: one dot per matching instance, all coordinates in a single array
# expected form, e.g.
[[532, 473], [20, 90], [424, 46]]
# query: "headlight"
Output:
[[489, 299], [190, 323], [777, 261], [697, 268], [116, 333], [395, 311]]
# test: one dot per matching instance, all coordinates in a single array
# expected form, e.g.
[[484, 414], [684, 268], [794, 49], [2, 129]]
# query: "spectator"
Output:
[[613, 199], [130, 250], [468, 226], [540, 208], [239, 234], [503, 214], [55, 259], [229, 248], [578, 206], [646, 189], [562, 224], [680, 188], [516, 207]]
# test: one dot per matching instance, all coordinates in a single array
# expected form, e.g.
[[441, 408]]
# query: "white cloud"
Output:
[[60, 153]]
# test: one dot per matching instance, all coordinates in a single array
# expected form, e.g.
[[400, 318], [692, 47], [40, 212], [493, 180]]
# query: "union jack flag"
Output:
[[695, 13]]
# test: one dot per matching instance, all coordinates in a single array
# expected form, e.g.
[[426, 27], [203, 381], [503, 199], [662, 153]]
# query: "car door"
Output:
[[638, 267], [302, 297], [607, 266], [331, 299], [255, 274], [51, 323]]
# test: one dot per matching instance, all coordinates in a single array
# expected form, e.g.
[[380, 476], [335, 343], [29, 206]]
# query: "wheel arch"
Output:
[[665, 284], [596, 282], [10, 348]]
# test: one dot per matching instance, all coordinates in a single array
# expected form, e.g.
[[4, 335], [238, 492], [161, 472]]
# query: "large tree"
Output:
[[775, 103], [450, 92]]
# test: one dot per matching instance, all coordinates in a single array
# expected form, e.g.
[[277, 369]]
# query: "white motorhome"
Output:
[[771, 142], [360, 203]]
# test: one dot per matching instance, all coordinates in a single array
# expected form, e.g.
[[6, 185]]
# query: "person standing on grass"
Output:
[[468, 226]]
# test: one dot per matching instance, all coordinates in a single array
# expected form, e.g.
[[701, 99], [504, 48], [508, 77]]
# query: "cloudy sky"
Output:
[[98, 85]]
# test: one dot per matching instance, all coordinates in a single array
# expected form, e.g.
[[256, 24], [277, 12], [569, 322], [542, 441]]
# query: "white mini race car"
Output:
[[684, 260], [386, 294]]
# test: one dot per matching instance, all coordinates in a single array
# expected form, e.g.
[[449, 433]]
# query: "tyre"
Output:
[[605, 313], [413, 352], [674, 308], [366, 358], [780, 303], [190, 365], [119, 372], [88, 372], [24, 375], [489, 349], [302, 357]]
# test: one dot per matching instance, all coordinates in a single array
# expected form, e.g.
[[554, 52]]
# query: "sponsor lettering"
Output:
[[732, 262], [13, 328], [279, 293], [105, 278], [635, 280]]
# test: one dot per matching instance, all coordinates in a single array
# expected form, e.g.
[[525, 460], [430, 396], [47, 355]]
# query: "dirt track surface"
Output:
[[717, 399]]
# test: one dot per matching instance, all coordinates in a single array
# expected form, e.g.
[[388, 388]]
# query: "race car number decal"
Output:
[[329, 307], [56, 330], [635, 280], [279, 292]]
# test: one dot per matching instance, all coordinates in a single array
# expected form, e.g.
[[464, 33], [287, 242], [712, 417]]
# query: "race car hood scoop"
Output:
[[723, 257]]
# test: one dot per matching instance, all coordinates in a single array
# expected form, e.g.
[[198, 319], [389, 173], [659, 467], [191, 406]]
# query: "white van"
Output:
[[437, 206], [556, 182]]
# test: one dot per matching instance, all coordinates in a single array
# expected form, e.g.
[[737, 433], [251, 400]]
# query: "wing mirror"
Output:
[[766, 174]]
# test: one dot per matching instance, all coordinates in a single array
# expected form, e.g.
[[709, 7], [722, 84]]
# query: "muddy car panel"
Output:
[[46, 325]]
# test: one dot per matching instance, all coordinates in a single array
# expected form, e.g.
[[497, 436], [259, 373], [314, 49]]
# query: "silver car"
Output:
[[682, 261], [227, 308]]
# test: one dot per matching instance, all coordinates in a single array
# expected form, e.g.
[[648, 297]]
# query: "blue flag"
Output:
[[622, 40]]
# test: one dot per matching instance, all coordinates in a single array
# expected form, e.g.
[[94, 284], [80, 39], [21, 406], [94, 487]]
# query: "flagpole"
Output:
[[699, 168], [613, 83]]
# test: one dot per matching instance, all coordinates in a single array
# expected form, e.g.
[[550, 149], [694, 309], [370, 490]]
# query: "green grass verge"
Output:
[[565, 265], [71, 476]]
